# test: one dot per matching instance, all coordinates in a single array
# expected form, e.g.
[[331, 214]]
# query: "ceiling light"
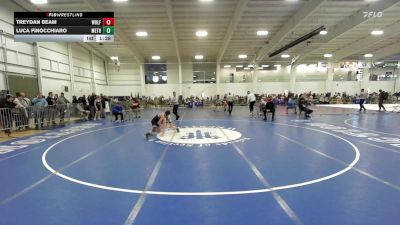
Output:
[[39, 1], [239, 66], [114, 58], [377, 32], [250, 66], [164, 78], [242, 56], [206, 0], [227, 66], [201, 33], [265, 66], [120, 0], [156, 79], [260, 68], [155, 57], [247, 68], [323, 32], [277, 65], [262, 33], [285, 56], [378, 62], [212, 78], [199, 57], [369, 55], [327, 55], [141, 34]]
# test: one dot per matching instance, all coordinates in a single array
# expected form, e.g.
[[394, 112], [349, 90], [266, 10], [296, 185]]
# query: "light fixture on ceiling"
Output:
[[242, 56], [368, 55], [265, 66], [114, 58], [212, 78], [120, 0], [199, 57], [156, 57], [206, 0], [201, 33], [327, 55], [227, 66], [141, 34], [323, 32], [377, 32], [250, 66], [277, 65], [247, 68], [39, 2], [262, 33], [285, 56], [239, 66], [164, 78]]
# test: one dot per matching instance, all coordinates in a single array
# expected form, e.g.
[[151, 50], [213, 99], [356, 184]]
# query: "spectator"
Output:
[[22, 113], [382, 96], [62, 102], [104, 99], [98, 108], [74, 100], [51, 110], [117, 110], [136, 107], [91, 100], [6, 113], [39, 103]]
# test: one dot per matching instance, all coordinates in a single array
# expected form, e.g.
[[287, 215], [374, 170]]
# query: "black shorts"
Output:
[[154, 121]]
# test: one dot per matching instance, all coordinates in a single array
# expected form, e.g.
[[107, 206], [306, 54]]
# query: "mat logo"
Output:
[[201, 136]]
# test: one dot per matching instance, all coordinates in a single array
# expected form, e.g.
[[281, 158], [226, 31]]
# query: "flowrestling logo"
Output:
[[201, 136]]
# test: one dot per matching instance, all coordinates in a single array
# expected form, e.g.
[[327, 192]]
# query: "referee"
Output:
[[175, 104], [251, 100]]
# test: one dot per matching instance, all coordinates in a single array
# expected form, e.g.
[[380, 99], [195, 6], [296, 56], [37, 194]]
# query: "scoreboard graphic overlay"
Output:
[[64, 26]]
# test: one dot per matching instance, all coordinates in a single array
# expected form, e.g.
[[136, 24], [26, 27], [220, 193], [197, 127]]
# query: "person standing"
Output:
[[62, 102], [381, 98], [251, 100], [39, 103], [6, 113], [363, 96], [51, 110], [229, 100], [91, 100], [175, 104], [22, 115]]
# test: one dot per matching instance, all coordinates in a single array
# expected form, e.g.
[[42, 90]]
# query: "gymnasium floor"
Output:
[[338, 168]]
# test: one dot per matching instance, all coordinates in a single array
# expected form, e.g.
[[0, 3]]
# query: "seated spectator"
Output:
[[117, 110], [80, 109]]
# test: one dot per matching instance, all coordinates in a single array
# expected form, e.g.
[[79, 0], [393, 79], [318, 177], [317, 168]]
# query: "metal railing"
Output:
[[39, 117]]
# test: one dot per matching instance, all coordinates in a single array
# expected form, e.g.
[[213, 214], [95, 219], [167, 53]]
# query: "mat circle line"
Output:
[[170, 193]]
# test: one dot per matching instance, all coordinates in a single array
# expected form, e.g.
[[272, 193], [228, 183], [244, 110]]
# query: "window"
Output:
[[155, 73], [204, 73], [383, 74]]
